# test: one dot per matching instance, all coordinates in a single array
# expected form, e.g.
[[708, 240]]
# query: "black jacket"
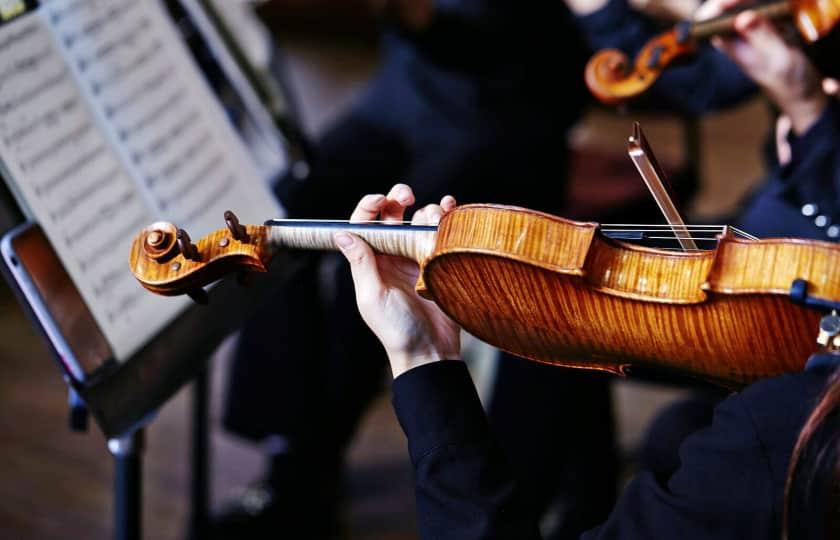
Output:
[[730, 483]]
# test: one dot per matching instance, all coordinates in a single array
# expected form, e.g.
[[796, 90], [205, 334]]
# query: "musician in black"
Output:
[[462, 103], [731, 478]]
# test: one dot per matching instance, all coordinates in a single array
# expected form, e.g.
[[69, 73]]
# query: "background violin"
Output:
[[562, 292], [613, 78]]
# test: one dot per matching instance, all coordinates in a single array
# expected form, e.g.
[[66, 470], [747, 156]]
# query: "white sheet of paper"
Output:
[[106, 125]]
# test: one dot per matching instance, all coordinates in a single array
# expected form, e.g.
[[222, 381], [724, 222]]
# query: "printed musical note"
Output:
[[106, 126], [158, 106], [67, 171]]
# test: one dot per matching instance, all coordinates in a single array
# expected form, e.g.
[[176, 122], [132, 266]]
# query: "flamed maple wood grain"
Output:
[[560, 292]]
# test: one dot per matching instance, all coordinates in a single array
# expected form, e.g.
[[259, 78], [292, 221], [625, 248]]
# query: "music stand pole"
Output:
[[128, 477], [200, 486]]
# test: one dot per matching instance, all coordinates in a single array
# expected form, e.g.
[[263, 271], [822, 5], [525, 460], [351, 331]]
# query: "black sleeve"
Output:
[[464, 487], [802, 198], [709, 80], [723, 488], [814, 169]]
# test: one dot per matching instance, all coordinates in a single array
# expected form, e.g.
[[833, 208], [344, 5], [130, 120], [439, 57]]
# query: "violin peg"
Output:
[[237, 231], [159, 241], [199, 296], [188, 249]]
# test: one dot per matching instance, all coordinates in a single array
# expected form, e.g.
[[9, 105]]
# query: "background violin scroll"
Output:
[[159, 263], [613, 78]]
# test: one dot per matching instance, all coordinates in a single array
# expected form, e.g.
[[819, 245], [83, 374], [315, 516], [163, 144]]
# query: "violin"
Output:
[[613, 79], [562, 292]]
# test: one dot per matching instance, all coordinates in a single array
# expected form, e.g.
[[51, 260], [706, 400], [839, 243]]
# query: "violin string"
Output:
[[606, 228], [347, 221]]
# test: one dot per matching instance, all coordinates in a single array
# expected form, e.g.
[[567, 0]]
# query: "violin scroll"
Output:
[[165, 260], [613, 78]]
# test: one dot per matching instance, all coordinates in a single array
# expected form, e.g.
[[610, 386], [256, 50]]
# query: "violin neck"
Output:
[[413, 241], [725, 23]]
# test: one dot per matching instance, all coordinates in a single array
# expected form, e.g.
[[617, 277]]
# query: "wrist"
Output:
[[402, 362], [804, 113]]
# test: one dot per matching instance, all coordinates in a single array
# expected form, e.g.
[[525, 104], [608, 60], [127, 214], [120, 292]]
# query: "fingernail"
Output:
[[343, 240], [746, 20]]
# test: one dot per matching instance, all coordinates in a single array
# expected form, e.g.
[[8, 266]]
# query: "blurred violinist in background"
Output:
[[800, 195], [471, 97]]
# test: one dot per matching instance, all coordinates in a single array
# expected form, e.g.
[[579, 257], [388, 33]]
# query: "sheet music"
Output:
[[105, 127], [253, 121], [170, 128]]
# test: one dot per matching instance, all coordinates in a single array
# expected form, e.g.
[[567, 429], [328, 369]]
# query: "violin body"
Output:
[[561, 292], [613, 78]]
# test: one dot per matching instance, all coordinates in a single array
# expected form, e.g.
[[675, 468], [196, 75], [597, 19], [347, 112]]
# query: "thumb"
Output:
[[362, 261]]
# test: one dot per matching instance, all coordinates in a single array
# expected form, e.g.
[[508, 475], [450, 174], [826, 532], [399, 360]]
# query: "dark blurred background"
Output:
[[57, 484]]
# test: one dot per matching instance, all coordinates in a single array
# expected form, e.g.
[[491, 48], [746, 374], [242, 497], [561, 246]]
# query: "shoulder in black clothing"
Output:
[[730, 483]]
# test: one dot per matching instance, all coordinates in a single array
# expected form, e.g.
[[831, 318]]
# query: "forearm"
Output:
[[464, 487], [805, 110]]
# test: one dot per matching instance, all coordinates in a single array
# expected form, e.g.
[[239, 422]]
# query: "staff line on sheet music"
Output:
[[120, 74], [20, 134], [199, 179], [64, 174], [109, 279], [178, 128], [106, 211], [25, 64], [170, 101], [75, 135], [104, 249], [128, 301], [142, 89], [22, 34], [72, 202], [33, 93], [108, 48], [69, 7], [212, 197], [92, 27], [175, 165]]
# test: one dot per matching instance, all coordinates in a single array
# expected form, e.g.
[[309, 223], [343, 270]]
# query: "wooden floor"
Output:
[[55, 484]]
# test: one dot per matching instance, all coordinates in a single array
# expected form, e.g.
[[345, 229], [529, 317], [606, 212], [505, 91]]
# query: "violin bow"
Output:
[[645, 162]]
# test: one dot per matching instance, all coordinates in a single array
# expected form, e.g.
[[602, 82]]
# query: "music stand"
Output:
[[123, 397]]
